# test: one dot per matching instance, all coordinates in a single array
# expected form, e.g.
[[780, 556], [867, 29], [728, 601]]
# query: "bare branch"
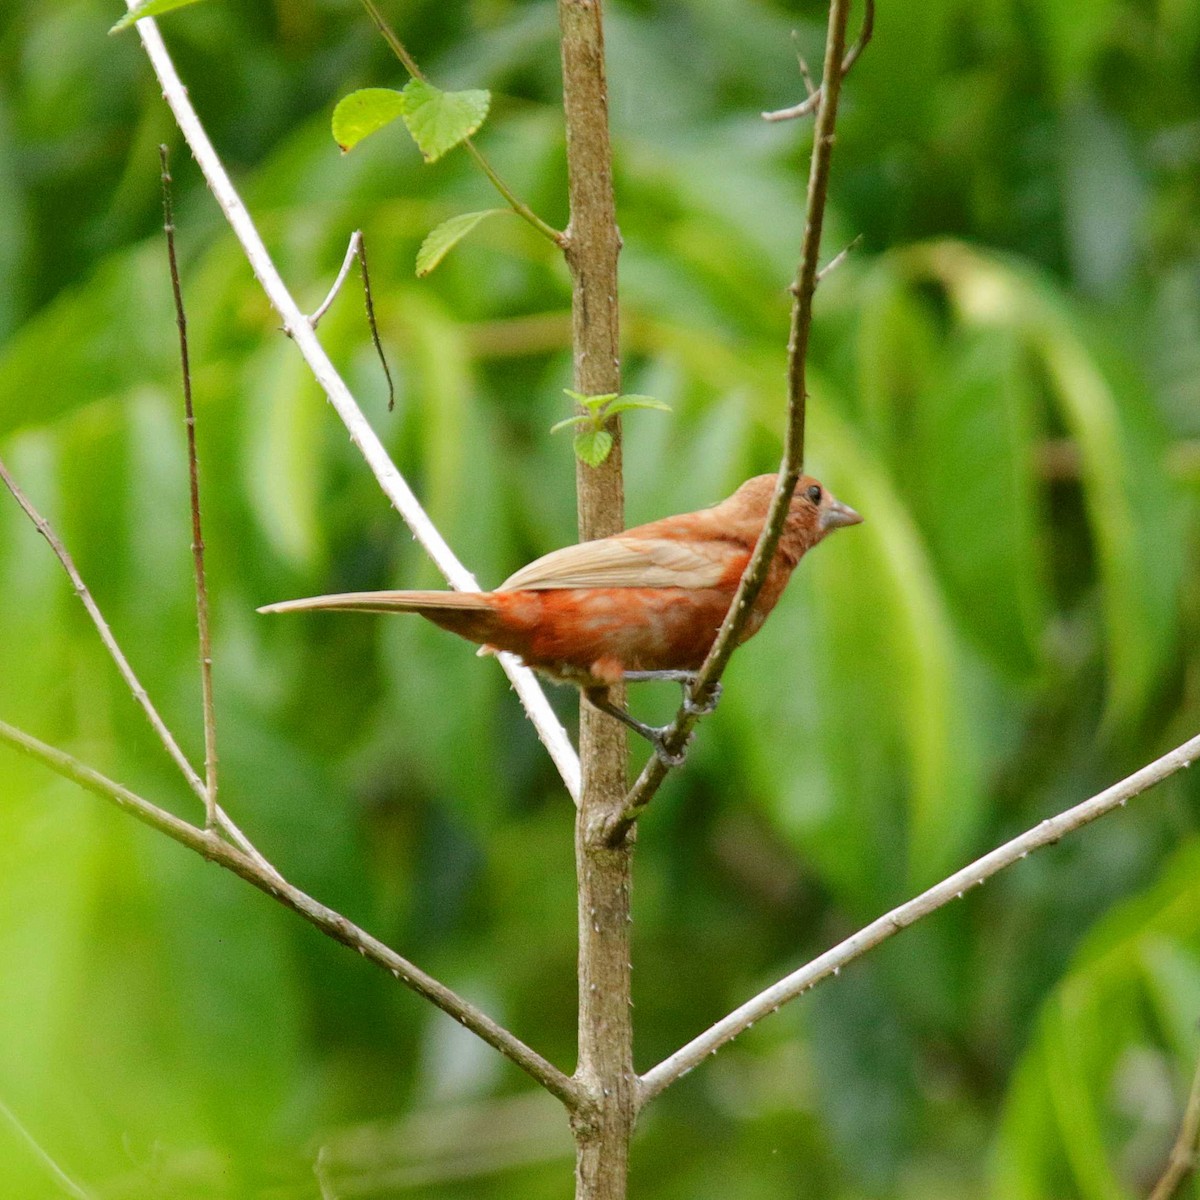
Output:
[[126, 671], [207, 844], [701, 693], [189, 419], [809, 105], [1046, 833], [1183, 1157], [394, 486]]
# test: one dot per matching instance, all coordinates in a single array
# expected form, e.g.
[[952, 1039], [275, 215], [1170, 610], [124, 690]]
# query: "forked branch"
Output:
[[813, 99], [126, 671], [1046, 833], [357, 249], [333, 924]]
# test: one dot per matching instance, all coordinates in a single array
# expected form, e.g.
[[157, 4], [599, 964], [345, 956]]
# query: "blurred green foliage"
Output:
[[1006, 382]]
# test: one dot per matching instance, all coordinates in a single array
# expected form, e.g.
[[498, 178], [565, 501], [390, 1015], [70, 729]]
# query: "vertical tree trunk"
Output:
[[603, 1125]]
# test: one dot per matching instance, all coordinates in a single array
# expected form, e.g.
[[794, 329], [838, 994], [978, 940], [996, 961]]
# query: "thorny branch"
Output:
[[809, 105], [333, 924], [1046, 833], [616, 824], [549, 728]]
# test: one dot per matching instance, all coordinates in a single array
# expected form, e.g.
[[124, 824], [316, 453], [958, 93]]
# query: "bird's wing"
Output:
[[625, 562]]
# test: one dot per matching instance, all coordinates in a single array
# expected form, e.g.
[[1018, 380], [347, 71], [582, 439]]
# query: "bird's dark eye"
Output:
[[814, 493]]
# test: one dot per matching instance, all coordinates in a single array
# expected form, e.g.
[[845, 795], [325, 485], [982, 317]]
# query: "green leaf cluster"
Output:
[[593, 442], [437, 120]]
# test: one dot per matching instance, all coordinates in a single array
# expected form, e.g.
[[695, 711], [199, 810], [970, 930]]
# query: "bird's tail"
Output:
[[426, 603], [475, 616]]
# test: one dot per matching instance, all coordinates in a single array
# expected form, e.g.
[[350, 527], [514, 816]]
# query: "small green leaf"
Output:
[[624, 403], [579, 420], [439, 120], [592, 446], [591, 403], [440, 241], [363, 112], [149, 8]]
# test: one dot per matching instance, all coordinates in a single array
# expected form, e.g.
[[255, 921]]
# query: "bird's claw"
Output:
[[658, 740], [702, 710]]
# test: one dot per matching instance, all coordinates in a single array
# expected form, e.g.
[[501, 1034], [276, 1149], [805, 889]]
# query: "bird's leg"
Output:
[[686, 680], [655, 735]]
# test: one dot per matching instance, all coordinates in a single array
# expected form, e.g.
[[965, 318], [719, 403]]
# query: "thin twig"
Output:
[[410, 65], [1046, 833], [1184, 1153], [60, 1176], [837, 260], [126, 671], [358, 249], [394, 486], [802, 63], [371, 323], [617, 823], [333, 924], [809, 105], [343, 271], [189, 420]]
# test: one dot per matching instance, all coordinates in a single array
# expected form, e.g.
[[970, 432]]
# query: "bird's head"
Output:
[[815, 511]]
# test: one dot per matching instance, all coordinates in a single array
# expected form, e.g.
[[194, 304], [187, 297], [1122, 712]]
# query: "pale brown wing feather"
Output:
[[625, 562]]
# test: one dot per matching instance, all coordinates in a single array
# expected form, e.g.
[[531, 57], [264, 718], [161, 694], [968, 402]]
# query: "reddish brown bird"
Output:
[[643, 604]]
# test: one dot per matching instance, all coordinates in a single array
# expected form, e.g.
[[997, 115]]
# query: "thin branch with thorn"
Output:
[[215, 850], [1186, 1150], [126, 671], [809, 105], [837, 260], [617, 823], [358, 249], [829, 964], [394, 486], [802, 63], [557, 236], [189, 420]]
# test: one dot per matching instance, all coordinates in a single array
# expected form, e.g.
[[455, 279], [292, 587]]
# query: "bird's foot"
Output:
[[655, 734], [658, 739], [687, 681], [702, 710]]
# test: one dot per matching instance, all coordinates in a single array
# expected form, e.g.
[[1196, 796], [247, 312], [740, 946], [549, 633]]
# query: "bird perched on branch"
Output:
[[644, 604]]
